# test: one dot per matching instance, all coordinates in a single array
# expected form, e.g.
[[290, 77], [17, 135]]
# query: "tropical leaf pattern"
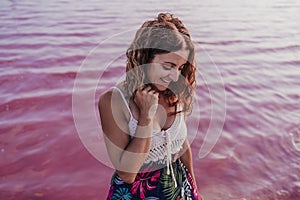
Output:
[[155, 185], [169, 190], [151, 198], [122, 194]]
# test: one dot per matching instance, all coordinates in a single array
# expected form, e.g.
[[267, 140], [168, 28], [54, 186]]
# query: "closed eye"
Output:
[[169, 68], [166, 68]]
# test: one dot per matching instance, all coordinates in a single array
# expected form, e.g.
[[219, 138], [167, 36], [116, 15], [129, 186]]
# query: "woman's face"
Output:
[[166, 68]]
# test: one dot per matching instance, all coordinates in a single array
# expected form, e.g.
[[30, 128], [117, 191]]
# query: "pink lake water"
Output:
[[45, 45]]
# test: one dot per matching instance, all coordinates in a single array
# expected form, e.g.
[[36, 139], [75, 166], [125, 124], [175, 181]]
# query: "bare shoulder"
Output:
[[113, 120], [108, 97], [105, 98], [111, 98], [112, 111]]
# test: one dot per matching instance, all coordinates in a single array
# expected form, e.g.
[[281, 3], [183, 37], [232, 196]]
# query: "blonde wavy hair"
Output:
[[162, 35]]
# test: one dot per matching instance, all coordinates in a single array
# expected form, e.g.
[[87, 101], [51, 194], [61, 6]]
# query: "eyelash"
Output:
[[168, 68]]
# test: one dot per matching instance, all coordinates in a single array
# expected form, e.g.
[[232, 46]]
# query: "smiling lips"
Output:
[[164, 80]]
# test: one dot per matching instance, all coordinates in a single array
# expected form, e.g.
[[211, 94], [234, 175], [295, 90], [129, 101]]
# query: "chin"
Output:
[[160, 88]]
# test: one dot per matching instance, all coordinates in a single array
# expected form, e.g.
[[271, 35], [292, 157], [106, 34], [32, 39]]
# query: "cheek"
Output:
[[150, 74], [154, 73]]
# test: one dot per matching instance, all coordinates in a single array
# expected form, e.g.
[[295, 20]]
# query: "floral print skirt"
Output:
[[156, 185]]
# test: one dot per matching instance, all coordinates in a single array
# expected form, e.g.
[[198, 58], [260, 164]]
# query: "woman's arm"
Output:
[[187, 160], [127, 155]]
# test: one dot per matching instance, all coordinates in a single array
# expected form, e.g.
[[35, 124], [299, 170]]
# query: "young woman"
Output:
[[143, 117]]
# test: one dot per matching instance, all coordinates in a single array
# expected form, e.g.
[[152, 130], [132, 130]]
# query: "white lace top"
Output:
[[165, 143]]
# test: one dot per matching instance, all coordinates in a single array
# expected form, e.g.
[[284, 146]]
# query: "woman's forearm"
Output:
[[138, 147], [134, 155]]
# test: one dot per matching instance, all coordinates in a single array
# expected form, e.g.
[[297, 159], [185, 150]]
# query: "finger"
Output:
[[156, 93], [147, 89], [140, 88], [152, 92]]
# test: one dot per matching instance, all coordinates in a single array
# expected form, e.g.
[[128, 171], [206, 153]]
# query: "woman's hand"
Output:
[[147, 101]]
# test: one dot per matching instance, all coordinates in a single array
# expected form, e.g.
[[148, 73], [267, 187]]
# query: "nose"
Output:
[[174, 74]]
